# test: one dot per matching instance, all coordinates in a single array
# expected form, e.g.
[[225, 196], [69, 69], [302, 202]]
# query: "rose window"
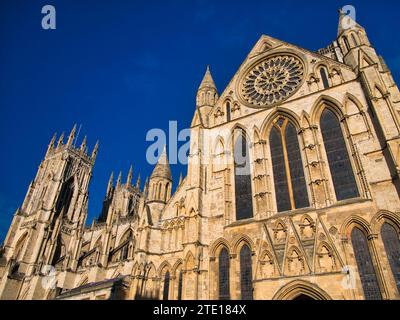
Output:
[[272, 80]]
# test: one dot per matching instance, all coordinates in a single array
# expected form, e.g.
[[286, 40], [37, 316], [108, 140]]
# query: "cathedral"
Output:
[[291, 192]]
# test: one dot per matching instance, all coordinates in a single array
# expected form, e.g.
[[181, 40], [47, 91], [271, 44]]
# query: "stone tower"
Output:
[[47, 228]]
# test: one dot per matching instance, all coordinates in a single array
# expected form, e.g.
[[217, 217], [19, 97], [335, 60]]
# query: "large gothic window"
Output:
[[365, 266], [223, 279], [243, 192], [246, 282], [338, 157], [166, 286], [391, 241], [290, 185]]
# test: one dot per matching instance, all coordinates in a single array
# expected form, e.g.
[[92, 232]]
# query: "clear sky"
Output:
[[121, 68]]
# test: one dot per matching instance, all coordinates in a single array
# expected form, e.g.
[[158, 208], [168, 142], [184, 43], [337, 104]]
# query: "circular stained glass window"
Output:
[[272, 80]]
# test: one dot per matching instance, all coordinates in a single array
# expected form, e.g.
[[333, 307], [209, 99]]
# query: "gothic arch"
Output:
[[240, 241], [304, 120], [218, 245], [256, 134], [128, 231], [178, 264], [164, 267], [384, 216], [189, 261], [354, 221], [269, 120], [296, 288], [219, 146], [323, 102], [151, 271], [331, 255], [232, 138], [351, 98]]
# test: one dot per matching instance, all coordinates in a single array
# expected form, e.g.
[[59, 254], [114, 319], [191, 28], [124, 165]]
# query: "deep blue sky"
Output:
[[120, 68]]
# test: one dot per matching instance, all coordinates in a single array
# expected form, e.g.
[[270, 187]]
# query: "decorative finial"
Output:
[[129, 178], [71, 135], [95, 150], [60, 140], [110, 183]]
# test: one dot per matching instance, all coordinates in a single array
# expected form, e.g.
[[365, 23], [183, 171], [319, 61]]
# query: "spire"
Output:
[[346, 20], [51, 144], [119, 179], [207, 81], [207, 93], [83, 145], [110, 183], [71, 136], [60, 140], [96, 148], [129, 178], [162, 168], [138, 182]]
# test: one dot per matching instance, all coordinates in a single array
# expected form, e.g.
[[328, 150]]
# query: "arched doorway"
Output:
[[301, 290]]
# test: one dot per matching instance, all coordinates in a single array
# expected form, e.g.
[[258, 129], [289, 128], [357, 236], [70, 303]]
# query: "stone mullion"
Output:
[[234, 277], [322, 165], [260, 180], [228, 191], [313, 166]]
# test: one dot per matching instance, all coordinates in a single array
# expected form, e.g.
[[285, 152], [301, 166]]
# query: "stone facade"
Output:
[[226, 234]]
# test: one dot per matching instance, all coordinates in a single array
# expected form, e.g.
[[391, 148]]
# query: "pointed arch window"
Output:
[[243, 191], [290, 184], [180, 282], [324, 77], [365, 265], [228, 111], [391, 241], [246, 274], [223, 279], [166, 286], [338, 158]]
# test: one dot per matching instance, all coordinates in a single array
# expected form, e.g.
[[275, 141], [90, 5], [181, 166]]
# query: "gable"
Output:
[[273, 73]]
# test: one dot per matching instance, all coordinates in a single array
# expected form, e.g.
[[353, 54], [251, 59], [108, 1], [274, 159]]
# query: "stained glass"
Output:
[[279, 170], [246, 281], [296, 168], [223, 265], [338, 158], [391, 241], [243, 192], [365, 266]]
